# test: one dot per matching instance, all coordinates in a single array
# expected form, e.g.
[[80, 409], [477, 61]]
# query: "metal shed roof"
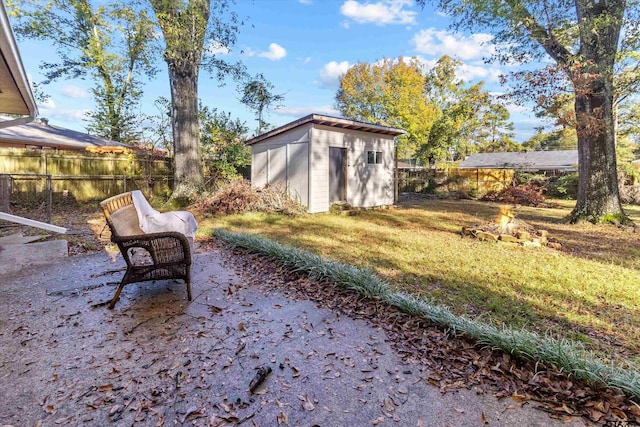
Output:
[[523, 160], [328, 121], [46, 135]]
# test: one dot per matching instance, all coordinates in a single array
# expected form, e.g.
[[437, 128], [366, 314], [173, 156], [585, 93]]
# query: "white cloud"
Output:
[[440, 42], [274, 53], [382, 12], [305, 111], [515, 108], [305, 1], [73, 91], [306, 60], [47, 104], [217, 48], [468, 72], [331, 73], [67, 115]]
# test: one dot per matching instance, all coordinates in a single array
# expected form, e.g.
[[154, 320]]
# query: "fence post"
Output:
[[49, 198], [5, 193]]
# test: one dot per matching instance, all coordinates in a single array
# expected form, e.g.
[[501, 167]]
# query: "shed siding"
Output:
[[259, 156], [367, 185], [298, 172], [283, 159]]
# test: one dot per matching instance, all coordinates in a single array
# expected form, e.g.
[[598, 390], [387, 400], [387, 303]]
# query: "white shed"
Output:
[[323, 160]]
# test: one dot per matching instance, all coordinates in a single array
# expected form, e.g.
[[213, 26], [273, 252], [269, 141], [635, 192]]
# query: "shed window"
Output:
[[374, 157]]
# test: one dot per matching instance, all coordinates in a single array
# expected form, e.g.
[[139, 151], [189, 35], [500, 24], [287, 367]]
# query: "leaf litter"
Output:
[[453, 362]]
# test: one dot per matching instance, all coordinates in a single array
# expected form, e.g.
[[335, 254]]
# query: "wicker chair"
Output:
[[169, 253]]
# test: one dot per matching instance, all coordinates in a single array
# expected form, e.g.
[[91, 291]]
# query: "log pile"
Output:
[[508, 229]]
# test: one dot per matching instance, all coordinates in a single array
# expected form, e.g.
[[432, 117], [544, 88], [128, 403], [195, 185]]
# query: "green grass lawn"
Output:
[[589, 291]]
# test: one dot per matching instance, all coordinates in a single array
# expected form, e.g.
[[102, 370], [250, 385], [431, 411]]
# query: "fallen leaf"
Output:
[[282, 419], [190, 411], [484, 418], [378, 420], [296, 372], [306, 403], [595, 415]]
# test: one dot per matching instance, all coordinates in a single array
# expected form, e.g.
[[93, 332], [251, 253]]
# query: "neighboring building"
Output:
[[413, 164], [323, 160], [42, 135], [528, 161]]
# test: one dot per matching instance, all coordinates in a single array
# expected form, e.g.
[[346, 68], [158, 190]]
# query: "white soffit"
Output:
[[15, 94]]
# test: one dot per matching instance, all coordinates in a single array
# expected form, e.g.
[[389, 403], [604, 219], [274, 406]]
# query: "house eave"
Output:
[[328, 121], [15, 93]]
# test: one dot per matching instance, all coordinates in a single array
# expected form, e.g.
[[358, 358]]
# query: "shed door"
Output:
[[337, 174]]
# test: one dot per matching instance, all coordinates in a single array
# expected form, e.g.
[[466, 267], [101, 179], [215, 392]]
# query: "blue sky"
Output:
[[302, 47]]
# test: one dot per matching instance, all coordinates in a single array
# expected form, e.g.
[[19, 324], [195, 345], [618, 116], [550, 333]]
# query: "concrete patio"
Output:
[[158, 360]]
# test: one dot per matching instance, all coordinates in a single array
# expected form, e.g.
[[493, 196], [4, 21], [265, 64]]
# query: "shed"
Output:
[[322, 160], [529, 161]]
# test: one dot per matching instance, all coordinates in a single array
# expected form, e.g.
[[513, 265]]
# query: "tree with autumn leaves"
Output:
[[444, 118], [586, 40]]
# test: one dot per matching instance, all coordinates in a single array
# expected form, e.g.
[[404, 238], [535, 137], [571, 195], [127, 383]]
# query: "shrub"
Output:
[[522, 194], [238, 196], [564, 187]]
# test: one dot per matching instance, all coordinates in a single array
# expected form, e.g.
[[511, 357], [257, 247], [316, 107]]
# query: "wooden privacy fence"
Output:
[[81, 176], [453, 180]]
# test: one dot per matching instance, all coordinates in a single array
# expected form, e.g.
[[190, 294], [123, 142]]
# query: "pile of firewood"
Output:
[[512, 231]]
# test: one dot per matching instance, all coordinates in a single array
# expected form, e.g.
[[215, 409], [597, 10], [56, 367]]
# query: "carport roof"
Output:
[[523, 160], [328, 121]]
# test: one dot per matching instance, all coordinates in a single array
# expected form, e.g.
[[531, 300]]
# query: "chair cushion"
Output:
[[125, 222]]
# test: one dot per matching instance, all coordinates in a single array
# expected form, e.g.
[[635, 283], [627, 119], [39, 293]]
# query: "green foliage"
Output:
[[562, 139], [222, 142], [565, 186], [187, 27], [257, 95], [388, 93], [444, 119], [585, 40], [112, 44], [467, 119]]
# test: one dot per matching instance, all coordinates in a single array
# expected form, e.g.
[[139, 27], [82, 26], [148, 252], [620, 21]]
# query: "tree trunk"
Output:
[[598, 194], [188, 177]]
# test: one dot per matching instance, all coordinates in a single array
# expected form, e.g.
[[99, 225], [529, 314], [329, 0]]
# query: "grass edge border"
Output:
[[563, 354]]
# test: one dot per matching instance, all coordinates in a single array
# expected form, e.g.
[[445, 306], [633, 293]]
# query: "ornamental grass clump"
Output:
[[569, 357]]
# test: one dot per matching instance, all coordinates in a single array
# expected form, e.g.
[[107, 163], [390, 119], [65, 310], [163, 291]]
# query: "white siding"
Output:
[[277, 165], [299, 158], [367, 185], [283, 159], [259, 164], [298, 172]]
